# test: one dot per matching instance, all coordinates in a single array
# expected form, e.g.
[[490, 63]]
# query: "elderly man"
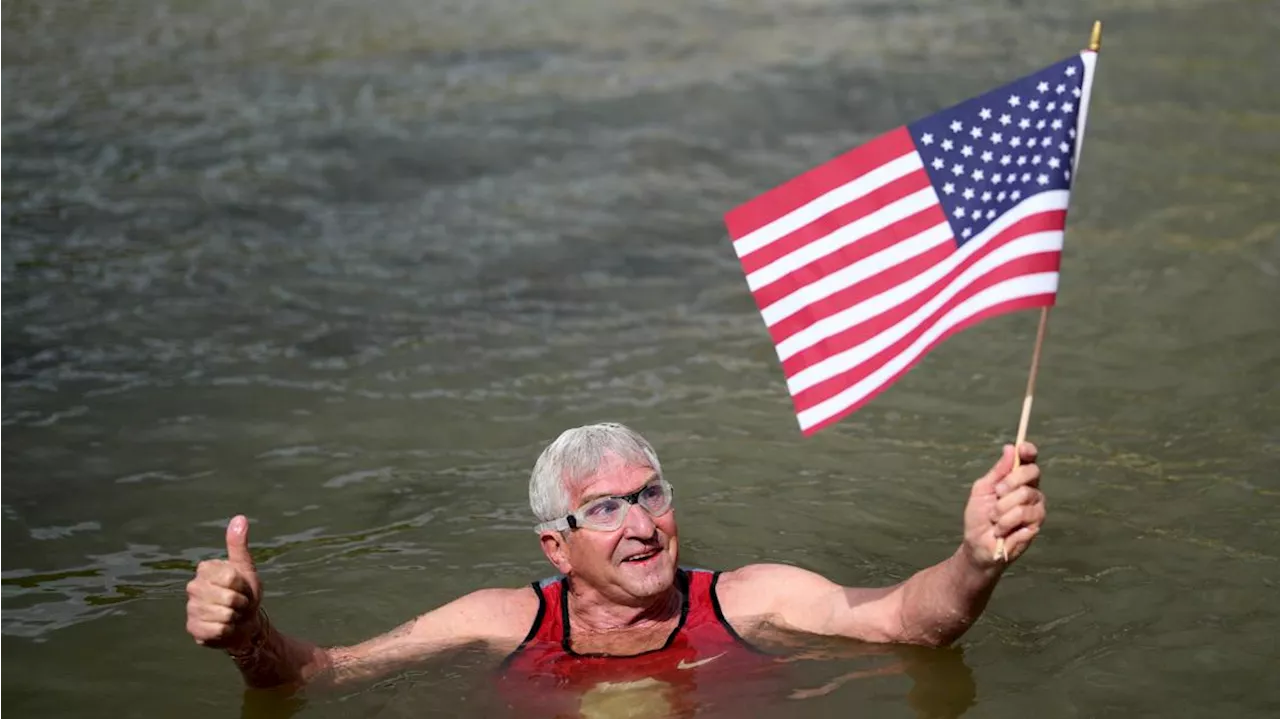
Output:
[[622, 605]]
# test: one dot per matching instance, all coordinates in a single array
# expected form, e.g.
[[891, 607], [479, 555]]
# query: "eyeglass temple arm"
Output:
[[563, 524]]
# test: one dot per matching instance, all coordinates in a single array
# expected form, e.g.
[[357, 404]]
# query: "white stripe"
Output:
[[843, 320], [1089, 58], [850, 276], [842, 362], [821, 205], [868, 224], [1024, 286]]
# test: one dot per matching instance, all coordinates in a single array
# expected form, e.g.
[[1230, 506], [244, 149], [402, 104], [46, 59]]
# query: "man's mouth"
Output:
[[642, 557]]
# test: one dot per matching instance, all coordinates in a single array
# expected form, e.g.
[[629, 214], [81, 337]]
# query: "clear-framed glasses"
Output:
[[606, 514]]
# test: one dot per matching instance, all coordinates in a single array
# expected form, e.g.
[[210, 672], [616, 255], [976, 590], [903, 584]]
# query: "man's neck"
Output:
[[591, 611]]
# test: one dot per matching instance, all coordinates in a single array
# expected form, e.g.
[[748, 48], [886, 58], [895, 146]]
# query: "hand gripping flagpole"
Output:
[[1095, 44]]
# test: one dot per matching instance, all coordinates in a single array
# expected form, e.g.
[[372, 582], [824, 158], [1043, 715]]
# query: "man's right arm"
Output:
[[224, 612], [499, 618]]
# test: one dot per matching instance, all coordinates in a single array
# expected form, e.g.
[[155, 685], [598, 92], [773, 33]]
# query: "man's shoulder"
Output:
[[756, 588], [498, 613], [763, 575], [515, 599]]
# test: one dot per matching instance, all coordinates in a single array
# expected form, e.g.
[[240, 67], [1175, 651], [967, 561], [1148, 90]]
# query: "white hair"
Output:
[[577, 454]]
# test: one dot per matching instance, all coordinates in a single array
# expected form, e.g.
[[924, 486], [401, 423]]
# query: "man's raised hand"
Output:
[[223, 598], [1006, 503]]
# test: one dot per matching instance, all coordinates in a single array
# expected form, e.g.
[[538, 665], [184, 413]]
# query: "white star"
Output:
[[1014, 101], [946, 145], [959, 213], [1015, 141], [1075, 91], [1043, 86], [956, 126], [968, 193], [984, 113], [986, 156], [1015, 195], [997, 178], [1026, 177], [1056, 124], [1060, 88], [1005, 120], [1071, 132], [1033, 105], [938, 164], [996, 138], [1066, 174], [1071, 70], [986, 196], [966, 151], [991, 214], [976, 132], [1022, 160], [1035, 160], [1045, 142], [957, 169], [1042, 179], [1064, 147], [927, 138], [977, 175], [1051, 106], [1024, 123], [966, 232], [949, 189], [1000, 197], [1005, 160], [1068, 107], [1040, 124], [976, 214], [1054, 162]]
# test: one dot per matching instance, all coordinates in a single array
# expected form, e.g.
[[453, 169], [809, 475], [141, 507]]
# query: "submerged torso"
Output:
[[702, 650]]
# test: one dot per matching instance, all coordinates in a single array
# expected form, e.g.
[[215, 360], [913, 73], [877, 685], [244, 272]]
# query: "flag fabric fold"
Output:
[[864, 264]]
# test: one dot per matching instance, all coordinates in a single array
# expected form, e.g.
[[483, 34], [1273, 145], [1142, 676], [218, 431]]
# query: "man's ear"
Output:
[[556, 546]]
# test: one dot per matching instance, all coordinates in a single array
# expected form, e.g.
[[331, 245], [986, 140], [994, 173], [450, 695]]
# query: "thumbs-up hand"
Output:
[[223, 598]]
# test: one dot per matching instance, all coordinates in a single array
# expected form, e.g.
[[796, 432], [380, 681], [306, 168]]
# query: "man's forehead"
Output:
[[613, 477]]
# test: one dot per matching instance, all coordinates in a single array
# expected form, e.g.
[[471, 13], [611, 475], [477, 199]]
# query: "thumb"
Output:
[[238, 546], [1003, 466]]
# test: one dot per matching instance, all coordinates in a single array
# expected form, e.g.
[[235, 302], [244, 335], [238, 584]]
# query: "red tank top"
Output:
[[702, 646]]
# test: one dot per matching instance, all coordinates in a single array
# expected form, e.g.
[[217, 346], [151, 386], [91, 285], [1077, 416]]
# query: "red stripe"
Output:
[[854, 336], [888, 279], [799, 191], [837, 219], [900, 231], [1043, 262], [855, 295], [827, 266], [1022, 303]]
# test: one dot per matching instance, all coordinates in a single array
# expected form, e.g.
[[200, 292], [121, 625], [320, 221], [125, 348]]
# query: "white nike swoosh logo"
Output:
[[692, 665]]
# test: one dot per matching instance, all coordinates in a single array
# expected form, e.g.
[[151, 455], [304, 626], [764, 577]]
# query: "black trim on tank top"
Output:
[[682, 583], [715, 604], [533, 630]]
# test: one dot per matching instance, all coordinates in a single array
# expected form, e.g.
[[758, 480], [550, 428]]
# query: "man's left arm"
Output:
[[936, 605]]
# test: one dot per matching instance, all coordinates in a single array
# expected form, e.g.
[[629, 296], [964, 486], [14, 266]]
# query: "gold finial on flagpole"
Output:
[[1095, 38]]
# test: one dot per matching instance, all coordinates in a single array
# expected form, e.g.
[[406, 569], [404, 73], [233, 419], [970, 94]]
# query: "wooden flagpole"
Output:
[[1095, 44]]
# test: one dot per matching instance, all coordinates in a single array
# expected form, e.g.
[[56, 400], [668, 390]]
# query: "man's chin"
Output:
[[650, 578]]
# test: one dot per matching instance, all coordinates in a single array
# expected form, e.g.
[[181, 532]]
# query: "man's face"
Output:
[[631, 564]]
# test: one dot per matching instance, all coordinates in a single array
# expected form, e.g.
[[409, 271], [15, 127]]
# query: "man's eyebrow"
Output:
[[598, 495]]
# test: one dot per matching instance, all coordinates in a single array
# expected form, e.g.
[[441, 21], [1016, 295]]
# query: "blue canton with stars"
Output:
[[986, 155]]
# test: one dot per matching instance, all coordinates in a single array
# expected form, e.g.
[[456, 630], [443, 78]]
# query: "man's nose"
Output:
[[638, 523]]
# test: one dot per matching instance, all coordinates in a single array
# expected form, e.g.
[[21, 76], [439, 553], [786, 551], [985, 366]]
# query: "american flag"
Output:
[[862, 265]]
